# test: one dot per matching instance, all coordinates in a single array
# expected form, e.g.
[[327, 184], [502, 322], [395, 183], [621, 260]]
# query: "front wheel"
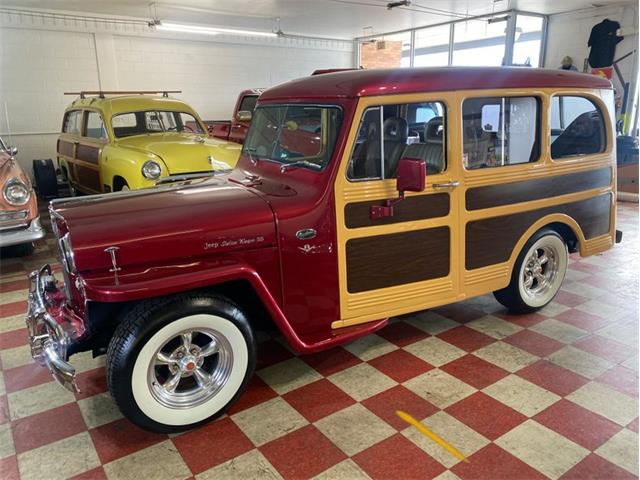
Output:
[[537, 274], [176, 362]]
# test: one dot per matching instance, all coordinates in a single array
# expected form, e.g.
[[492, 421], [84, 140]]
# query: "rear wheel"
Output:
[[176, 362], [537, 275]]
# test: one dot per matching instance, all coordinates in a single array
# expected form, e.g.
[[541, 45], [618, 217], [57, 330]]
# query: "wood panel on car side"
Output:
[[491, 240], [413, 208], [382, 261], [529, 190]]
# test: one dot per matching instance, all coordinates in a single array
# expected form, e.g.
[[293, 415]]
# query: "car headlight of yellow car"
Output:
[[15, 192], [151, 170]]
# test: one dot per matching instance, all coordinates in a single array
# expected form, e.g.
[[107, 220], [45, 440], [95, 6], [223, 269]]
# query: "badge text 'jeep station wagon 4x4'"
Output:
[[358, 196], [133, 140]]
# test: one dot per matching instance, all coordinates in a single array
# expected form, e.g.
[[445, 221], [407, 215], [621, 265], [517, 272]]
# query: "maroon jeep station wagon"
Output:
[[359, 195]]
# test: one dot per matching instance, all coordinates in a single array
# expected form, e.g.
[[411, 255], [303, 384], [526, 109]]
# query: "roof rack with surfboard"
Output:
[[103, 93]]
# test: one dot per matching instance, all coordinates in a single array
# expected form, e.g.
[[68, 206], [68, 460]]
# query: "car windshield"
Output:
[[287, 134], [154, 121]]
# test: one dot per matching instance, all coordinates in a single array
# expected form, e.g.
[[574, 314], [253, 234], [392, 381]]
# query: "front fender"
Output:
[[119, 161], [161, 281]]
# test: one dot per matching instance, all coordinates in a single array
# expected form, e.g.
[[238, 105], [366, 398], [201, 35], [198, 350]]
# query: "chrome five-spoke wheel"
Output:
[[537, 274], [540, 271], [176, 362], [190, 368]]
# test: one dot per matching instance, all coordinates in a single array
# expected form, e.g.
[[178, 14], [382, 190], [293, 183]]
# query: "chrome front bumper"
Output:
[[24, 234], [48, 338]]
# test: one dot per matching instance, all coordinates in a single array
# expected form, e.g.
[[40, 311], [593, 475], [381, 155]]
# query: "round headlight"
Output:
[[151, 170], [16, 192]]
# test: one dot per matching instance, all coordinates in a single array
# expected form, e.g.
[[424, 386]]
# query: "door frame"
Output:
[[370, 305]]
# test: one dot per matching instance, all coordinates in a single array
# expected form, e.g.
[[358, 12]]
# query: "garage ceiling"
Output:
[[330, 18]]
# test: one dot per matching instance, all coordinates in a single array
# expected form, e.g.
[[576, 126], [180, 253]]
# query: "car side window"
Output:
[[577, 127], [72, 121], [248, 103], [388, 133], [94, 126], [500, 131]]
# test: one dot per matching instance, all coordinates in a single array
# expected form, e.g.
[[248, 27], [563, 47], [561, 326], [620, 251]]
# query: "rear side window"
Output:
[[577, 127], [94, 127], [72, 122], [500, 131], [248, 103], [390, 132]]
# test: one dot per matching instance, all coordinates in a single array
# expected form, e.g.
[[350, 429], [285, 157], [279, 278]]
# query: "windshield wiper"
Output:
[[250, 151], [300, 163]]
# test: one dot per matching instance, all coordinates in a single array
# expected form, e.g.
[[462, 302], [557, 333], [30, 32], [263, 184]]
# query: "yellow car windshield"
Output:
[[154, 121]]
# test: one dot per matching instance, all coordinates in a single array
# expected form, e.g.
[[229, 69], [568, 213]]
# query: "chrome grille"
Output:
[[14, 215]]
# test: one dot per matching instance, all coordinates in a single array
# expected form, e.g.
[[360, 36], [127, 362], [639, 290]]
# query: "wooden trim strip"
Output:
[[528, 190]]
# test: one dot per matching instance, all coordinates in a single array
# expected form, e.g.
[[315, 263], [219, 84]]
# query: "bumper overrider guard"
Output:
[[47, 337]]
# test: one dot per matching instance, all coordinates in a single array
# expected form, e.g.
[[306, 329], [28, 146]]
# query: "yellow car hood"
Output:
[[186, 153]]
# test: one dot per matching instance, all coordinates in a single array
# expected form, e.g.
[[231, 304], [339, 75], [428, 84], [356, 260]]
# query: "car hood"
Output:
[[149, 227], [186, 153]]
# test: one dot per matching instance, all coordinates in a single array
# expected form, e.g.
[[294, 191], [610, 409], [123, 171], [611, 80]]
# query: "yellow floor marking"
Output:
[[428, 433]]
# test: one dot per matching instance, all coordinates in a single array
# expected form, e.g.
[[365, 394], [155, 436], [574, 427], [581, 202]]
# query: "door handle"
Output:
[[306, 234], [452, 184]]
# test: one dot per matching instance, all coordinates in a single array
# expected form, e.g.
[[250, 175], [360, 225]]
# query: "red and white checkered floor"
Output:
[[552, 394]]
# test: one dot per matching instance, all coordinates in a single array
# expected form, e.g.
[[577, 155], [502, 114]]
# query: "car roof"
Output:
[[363, 83], [130, 103]]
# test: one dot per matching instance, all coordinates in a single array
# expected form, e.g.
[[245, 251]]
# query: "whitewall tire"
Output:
[[537, 274], [180, 361]]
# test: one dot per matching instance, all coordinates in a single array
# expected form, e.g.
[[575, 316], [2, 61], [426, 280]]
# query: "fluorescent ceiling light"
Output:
[[178, 27]]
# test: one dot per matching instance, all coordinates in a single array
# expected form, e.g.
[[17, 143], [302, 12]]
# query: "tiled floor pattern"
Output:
[[552, 394]]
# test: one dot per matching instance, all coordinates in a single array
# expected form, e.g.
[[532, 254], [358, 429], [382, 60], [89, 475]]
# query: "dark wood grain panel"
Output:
[[65, 148], [490, 241], [419, 207], [87, 153], [386, 260], [88, 178], [517, 192]]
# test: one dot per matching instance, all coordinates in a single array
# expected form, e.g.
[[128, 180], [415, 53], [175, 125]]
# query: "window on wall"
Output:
[[479, 43], [577, 127], [528, 40], [94, 127], [500, 131], [391, 132], [432, 46], [390, 51]]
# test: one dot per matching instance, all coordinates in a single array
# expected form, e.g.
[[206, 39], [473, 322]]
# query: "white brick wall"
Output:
[[38, 64], [211, 75], [36, 68]]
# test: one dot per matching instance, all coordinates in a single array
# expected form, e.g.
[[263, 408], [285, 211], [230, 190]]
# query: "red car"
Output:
[[235, 130], [359, 196]]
